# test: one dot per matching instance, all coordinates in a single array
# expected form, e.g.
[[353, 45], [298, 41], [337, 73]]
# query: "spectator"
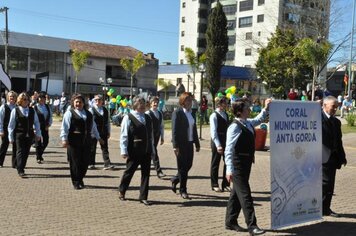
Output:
[[292, 95], [204, 110], [346, 106]]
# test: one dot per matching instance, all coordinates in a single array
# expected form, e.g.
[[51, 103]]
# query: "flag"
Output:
[[346, 78]]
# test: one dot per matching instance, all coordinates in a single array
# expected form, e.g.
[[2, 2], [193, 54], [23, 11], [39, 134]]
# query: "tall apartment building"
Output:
[[250, 24]]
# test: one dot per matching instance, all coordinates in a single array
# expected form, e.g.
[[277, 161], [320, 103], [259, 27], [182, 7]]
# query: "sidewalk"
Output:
[[46, 204]]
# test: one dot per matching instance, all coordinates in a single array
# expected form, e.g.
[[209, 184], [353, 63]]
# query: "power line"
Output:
[[92, 22]]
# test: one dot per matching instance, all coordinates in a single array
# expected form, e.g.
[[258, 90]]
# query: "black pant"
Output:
[[3, 149], [155, 158], [131, 166], [104, 149], [329, 172], [23, 144], [214, 169], [184, 163], [78, 162], [240, 196], [41, 145]]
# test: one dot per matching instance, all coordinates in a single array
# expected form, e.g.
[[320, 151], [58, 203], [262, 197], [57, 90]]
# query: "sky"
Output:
[[147, 25]]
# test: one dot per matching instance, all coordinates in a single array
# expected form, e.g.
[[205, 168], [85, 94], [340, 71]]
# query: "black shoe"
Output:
[[174, 187], [216, 189], [256, 231], [77, 187], [332, 214], [236, 227], [160, 174], [121, 196], [39, 161], [22, 175], [226, 189], [146, 203], [81, 184], [185, 196]]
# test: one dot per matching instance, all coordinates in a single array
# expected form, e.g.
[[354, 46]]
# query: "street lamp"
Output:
[[202, 70], [106, 86]]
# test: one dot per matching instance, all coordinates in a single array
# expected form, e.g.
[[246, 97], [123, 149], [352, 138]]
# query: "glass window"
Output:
[[230, 55], [245, 21], [231, 24], [182, 48], [182, 33], [248, 52], [259, 33], [183, 4], [260, 18], [51, 62], [183, 19], [232, 40], [202, 28], [59, 62], [203, 13], [42, 61], [261, 2], [181, 61], [201, 43], [34, 59], [230, 9], [248, 36], [246, 5]]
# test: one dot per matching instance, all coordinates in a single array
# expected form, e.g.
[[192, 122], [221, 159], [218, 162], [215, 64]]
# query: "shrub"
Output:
[[350, 119]]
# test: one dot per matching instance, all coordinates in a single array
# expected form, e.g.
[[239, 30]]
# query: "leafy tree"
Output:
[[279, 67], [165, 85], [194, 61], [133, 66], [315, 54], [217, 47], [79, 58]]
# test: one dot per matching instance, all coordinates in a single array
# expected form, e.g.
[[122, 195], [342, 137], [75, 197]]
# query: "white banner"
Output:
[[296, 161]]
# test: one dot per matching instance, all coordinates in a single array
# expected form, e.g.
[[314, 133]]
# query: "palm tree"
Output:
[[165, 85], [79, 59], [132, 66], [194, 61]]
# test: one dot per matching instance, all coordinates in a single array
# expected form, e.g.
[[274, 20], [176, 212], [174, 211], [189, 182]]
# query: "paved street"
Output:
[[45, 203]]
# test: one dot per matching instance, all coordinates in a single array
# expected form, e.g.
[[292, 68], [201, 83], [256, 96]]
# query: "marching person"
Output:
[[158, 132], [184, 135], [333, 151], [102, 120], [239, 156], [22, 120], [219, 121], [44, 114], [136, 144], [77, 128], [5, 111]]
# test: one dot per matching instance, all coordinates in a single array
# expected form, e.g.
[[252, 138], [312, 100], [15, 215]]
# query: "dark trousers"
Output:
[[131, 166], [329, 172], [41, 145], [3, 149], [78, 162], [104, 149], [214, 169], [194, 114], [23, 145], [184, 163], [240, 197], [155, 158]]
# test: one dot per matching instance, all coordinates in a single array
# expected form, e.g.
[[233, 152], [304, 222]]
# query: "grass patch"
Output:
[[348, 129]]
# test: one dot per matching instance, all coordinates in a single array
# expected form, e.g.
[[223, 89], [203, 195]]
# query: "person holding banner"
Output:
[[239, 156], [333, 151]]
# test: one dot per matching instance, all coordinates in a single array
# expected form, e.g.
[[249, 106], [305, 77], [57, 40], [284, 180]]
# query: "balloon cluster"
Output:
[[230, 93], [118, 99]]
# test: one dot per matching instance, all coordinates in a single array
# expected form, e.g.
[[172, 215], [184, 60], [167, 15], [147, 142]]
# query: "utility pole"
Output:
[[351, 45], [4, 9]]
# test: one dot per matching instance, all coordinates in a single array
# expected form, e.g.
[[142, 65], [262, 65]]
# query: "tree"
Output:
[[194, 61], [133, 66], [279, 67], [79, 59], [315, 53], [217, 47], [165, 86]]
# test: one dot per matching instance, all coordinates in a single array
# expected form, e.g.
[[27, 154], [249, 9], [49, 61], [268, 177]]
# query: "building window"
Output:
[[248, 52], [247, 66], [230, 9], [183, 19], [89, 62], [248, 36], [259, 33], [183, 4], [292, 17], [231, 24], [230, 55], [245, 21], [182, 48], [202, 28], [246, 5], [260, 18], [182, 33], [203, 13], [201, 43], [261, 2], [232, 40], [181, 61]]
